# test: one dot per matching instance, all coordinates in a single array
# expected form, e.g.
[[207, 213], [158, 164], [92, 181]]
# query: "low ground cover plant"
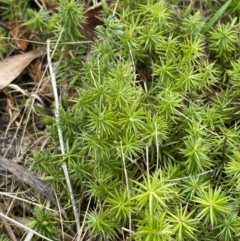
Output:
[[152, 133]]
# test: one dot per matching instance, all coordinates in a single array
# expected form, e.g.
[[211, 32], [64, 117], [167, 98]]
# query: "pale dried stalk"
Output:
[[23, 226], [64, 165]]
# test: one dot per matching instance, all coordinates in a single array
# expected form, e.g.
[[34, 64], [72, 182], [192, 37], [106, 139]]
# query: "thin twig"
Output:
[[23, 226], [8, 228], [28, 177], [64, 165], [7, 194], [80, 236]]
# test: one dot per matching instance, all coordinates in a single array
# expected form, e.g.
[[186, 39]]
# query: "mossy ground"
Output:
[[149, 116]]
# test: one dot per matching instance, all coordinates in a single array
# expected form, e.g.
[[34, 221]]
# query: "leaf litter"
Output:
[[12, 67]]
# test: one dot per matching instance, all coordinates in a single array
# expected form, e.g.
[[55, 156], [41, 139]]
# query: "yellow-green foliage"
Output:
[[152, 136]]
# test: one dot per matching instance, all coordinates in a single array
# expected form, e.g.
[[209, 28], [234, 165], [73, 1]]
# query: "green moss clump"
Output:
[[152, 136]]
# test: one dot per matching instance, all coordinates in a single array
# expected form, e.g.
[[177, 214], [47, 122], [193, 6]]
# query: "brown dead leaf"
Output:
[[18, 34], [92, 15], [37, 75], [11, 67], [35, 71]]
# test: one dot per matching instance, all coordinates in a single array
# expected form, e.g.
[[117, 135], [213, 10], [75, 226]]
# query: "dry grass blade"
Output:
[[60, 135], [11, 67], [23, 226]]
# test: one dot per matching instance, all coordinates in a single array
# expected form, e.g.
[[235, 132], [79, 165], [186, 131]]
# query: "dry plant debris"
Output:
[[21, 38], [12, 67], [139, 99]]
